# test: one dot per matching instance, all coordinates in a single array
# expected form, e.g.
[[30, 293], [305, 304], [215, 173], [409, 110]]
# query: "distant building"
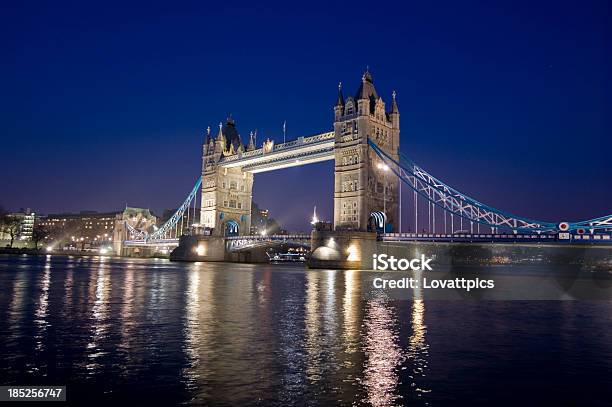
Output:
[[90, 230], [26, 218], [259, 219], [261, 222]]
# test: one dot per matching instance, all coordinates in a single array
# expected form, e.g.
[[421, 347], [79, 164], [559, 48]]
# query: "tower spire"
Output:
[[251, 145], [207, 139], [220, 140], [394, 108], [367, 76], [340, 101]]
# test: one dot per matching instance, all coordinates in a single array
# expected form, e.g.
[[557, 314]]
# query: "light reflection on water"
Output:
[[199, 333], [41, 311]]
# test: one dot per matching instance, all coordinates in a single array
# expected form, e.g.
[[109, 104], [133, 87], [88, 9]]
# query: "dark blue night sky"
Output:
[[105, 104]]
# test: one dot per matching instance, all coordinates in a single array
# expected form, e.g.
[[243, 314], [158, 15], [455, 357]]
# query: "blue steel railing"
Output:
[[459, 204]]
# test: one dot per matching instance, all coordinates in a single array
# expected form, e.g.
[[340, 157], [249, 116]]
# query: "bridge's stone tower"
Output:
[[359, 182], [226, 192]]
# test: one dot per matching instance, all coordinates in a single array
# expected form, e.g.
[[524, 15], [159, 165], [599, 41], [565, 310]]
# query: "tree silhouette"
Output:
[[11, 225], [39, 232]]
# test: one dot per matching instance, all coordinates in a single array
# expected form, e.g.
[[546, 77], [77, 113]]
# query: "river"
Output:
[[162, 333]]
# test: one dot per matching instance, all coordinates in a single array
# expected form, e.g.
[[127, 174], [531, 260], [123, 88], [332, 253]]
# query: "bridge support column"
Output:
[[342, 249], [199, 248]]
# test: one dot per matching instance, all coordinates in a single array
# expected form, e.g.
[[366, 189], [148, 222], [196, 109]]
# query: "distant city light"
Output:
[[315, 219], [200, 250], [49, 249], [103, 250]]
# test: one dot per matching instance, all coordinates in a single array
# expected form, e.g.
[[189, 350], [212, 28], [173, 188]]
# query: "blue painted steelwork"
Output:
[[459, 204], [135, 234], [171, 223], [600, 238]]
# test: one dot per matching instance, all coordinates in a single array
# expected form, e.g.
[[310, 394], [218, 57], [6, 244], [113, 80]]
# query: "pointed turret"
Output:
[[394, 108], [220, 134], [220, 139], [340, 101], [208, 146], [232, 138], [339, 107], [251, 145], [394, 114], [366, 89], [207, 138], [366, 94]]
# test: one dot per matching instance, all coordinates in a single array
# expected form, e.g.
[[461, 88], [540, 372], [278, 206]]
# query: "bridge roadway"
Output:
[[232, 243], [237, 243], [501, 238], [151, 243], [303, 150]]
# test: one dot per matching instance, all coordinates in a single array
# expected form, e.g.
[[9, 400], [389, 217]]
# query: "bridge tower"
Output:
[[363, 185], [226, 192]]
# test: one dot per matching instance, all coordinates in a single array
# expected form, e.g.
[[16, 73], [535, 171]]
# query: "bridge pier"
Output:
[[342, 249], [355, 250], [257, 255], [142, 252], [199, 248]]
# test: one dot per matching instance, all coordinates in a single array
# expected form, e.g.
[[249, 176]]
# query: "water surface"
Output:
[[236, 334]]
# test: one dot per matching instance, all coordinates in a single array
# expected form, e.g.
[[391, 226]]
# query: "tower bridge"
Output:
[[303, 150], [369, 172]]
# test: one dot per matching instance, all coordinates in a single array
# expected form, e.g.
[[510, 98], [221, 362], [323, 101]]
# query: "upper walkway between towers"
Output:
[[271, 156]]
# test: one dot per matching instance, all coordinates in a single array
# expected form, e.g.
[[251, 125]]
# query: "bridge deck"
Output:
[[500, 238], [304, 150]]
